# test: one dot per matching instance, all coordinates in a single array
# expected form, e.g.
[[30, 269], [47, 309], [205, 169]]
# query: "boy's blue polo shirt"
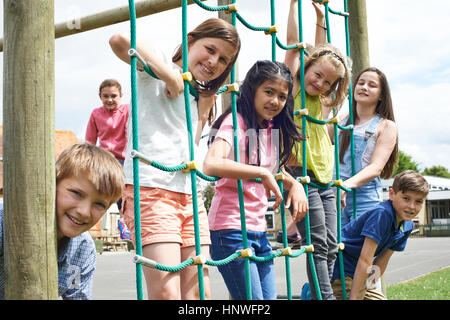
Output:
[[379, 224]]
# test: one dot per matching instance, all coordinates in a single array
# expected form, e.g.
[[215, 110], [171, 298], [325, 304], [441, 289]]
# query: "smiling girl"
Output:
[[376, 143], [266, 135], [167, 224], [326, 75]]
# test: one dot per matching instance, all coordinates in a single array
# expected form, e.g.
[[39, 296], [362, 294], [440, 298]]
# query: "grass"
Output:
[[433, 286]]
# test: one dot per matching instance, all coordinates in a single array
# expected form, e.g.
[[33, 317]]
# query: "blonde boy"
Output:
[[88, 180]]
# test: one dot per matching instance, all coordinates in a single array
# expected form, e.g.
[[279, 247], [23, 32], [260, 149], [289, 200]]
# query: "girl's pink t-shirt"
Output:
[[224, 212], [110, 127]]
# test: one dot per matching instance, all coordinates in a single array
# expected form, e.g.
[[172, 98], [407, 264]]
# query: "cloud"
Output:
[[421, 111], [409, 43]]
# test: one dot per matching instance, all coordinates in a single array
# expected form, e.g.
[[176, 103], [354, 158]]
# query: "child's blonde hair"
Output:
[[98, 165], [339, 89]]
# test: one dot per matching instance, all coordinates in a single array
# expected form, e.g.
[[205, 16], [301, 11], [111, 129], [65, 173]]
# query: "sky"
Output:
[[408, 41]]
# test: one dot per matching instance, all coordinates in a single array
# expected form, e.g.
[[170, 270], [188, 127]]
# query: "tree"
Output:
[[208, 194], [437, 171], [405, 162]]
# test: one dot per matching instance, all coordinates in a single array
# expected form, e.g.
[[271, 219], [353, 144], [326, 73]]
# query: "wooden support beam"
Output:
[[112, 16], [28, 150], [359, 39]]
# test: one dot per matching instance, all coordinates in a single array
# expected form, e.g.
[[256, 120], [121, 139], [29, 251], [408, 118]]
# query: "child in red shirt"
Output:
[[108, 123]]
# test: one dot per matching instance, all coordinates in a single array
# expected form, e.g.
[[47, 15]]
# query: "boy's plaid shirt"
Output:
[[76, 265]]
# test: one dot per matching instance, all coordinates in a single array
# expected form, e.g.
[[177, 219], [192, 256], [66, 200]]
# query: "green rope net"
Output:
[[199, 260]]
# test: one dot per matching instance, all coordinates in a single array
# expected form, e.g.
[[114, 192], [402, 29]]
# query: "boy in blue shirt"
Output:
[[88, 180], [371, 239]]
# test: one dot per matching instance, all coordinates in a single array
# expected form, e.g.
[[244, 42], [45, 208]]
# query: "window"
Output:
[[440, 209]]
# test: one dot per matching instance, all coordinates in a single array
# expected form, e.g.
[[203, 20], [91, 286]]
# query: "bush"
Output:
[[208, 194]]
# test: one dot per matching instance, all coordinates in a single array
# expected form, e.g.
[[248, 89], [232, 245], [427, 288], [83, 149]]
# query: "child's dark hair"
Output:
[[261, 71], [410, 180]]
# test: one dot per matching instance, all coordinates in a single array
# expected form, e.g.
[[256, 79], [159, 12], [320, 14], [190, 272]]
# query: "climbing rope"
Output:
[[192, 166]]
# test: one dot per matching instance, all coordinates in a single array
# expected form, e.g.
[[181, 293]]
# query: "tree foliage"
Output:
[[405, 162], [437, 171], [208, 194]]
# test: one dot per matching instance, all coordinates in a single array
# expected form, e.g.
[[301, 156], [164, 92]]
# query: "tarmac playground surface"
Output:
[[115, 274]]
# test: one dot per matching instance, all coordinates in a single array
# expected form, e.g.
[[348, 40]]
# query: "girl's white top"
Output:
[[162, 132]]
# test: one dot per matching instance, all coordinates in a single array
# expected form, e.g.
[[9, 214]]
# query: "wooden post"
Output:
[[226, 97], [359, 40], [28, 150]]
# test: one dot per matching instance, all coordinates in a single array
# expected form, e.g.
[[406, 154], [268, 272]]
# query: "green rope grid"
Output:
[[136, 195], [192, 168], [141, 63], [202, 260], [181, 167]]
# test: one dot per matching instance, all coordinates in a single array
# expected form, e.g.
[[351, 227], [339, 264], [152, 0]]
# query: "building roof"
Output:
[[438, 182], [63, 139], [438, 195]]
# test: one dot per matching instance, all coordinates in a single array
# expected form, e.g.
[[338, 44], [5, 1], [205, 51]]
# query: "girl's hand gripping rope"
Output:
[[270, 184]]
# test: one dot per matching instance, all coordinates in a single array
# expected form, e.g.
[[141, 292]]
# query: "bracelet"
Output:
[[325, 28]]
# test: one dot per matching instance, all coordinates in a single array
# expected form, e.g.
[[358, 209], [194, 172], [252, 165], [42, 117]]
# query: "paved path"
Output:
[[115, 277]]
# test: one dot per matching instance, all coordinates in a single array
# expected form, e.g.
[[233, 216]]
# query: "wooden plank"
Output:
[[112, 16]]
